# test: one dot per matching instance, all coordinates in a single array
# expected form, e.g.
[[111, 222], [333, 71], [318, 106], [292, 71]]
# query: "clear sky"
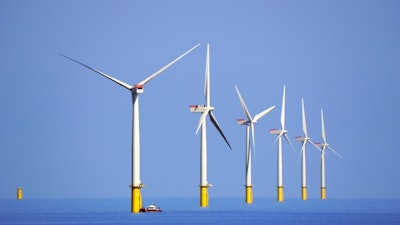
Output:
[[65, 131]]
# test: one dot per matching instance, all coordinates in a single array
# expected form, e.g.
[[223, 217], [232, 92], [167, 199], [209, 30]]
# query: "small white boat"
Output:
[[151, 208]]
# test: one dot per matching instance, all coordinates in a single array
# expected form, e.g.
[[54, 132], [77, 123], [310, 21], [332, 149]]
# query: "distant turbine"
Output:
[[280, 133], [249, 124], [205, 110], [304, 141], [323, 147], [136, 183]]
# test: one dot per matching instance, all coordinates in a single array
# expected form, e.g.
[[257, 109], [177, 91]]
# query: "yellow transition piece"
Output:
[[304, 193], [136, 200], [280, 194], [323, 192], [19, 193], [203, 196], [249, 194]]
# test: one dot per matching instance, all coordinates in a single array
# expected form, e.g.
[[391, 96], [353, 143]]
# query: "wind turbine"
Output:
[[280, 133], [304, 141], [136, 89], [249, 125], [205, 110], [323, 147]]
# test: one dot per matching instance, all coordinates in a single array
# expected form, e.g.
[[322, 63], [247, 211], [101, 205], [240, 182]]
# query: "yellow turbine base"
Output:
[[323, 192], [19, 193], [249, 194], [304, 193], [203, 196], [280, 194], [136, 200]]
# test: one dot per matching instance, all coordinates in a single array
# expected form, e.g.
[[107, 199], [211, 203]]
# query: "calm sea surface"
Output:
[[222, 211]]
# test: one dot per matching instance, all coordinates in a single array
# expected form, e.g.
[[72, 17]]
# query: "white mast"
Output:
[[205, 110], [280, 133], [304, 141], [249, 124], [323, 147]]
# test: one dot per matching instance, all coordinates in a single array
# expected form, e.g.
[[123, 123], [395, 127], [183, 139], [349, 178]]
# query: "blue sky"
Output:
[[66, 131]]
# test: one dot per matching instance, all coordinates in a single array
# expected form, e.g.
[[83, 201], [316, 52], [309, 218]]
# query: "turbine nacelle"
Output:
[[137, 88], [242, 121], [321, 145], [302, 139], [200, 108], [276, 131]]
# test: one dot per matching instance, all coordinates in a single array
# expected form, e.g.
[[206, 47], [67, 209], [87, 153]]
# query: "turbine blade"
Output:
[[167, 66], [314, 144], [303, 146], [323, 152], [323, 127], [283, 108], [248, 150], [335, 152], [279, 136], [304, 118], [287, 139], [247, 163], [202, 119], [214, 121], [263, 113], [253, 139], [127, 86], [207, 78], [245, 110]]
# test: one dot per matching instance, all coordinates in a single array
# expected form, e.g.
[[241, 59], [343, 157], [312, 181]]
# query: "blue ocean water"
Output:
[[222, 211]]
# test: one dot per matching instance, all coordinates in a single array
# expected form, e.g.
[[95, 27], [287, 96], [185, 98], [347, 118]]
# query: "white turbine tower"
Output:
[[280, 133], [205, 110], [136, 183], [323, 147], [304, 141], [249, 131]]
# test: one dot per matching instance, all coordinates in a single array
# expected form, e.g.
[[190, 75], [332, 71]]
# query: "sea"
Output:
[[221, 211]]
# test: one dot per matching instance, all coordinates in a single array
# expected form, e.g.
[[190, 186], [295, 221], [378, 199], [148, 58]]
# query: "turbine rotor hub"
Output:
[[138, 88]]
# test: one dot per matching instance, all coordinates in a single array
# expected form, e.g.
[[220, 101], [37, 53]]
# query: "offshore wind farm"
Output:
[[67, 135], [206, 110]]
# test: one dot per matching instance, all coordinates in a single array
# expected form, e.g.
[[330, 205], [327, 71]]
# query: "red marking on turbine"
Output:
[[140, 86]]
